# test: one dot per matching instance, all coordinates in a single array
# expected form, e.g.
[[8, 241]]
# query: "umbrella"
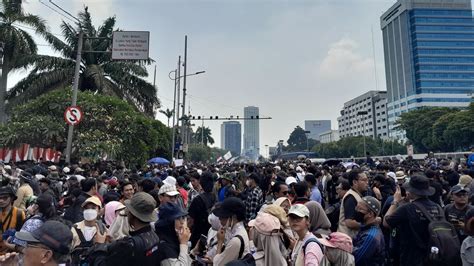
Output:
[[158, 160], [332, 162], [350, 165]]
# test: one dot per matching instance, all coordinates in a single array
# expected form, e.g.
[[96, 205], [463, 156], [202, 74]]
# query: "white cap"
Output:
[[277, 168], [39, 176], [392, 175], [168, 189], [199, 171], [290, 180], [170, 180], [52, 167], [299, 169], [7, 167], [66, 170]]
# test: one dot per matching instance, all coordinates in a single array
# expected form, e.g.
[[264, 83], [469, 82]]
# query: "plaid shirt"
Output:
[[253, 202]]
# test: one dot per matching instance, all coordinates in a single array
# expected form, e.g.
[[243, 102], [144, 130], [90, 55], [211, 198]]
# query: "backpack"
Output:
[[246, 260], [80, 253], [312, 240], [443, 236]]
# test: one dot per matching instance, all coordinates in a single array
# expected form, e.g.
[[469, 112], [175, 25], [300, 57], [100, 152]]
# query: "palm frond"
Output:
[[34, 21]]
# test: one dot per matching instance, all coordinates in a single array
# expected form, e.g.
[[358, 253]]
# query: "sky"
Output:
[[295, 60]]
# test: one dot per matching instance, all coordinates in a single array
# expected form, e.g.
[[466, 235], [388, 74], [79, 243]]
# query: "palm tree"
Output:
[[205, 135], [17, 42], [168, 113], [98, 73]]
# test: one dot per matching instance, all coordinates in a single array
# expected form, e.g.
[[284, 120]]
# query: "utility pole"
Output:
[[183, 123], [2, 84], [74, 94], [173, 132]]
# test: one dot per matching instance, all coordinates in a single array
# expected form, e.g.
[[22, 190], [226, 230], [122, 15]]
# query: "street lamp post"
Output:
[[363, 114]]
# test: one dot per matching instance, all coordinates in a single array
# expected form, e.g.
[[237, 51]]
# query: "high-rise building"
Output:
[[365, 115], [231, 137], [329, 136], [316, 127], [251, 132], [429, 55]]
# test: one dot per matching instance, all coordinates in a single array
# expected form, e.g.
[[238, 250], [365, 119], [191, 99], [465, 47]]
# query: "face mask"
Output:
[[247, 183], [90, 214], [214, 222], [359, 216]]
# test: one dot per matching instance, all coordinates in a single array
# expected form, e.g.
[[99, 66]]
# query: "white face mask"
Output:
[[90, 214]]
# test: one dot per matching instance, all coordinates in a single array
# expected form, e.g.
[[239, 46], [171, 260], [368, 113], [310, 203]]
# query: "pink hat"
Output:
[[265, 223], [337, 240]]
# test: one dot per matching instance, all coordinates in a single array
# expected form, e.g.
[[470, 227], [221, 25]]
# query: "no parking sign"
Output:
[[73, 115]]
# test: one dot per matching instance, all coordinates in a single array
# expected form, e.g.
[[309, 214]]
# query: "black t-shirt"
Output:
[[412, 226], [198, 210], [350, 203], [436, 197], [454, 215]]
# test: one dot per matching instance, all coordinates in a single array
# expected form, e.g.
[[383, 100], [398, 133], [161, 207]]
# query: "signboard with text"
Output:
[[130, 45]]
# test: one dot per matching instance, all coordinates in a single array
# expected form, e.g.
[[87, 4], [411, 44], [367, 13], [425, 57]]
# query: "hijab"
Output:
[[280, 201], [169, 242], [319, 222], [111, 209]]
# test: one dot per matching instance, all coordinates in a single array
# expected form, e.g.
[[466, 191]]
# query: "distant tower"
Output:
[[231, 137], [251, 132]]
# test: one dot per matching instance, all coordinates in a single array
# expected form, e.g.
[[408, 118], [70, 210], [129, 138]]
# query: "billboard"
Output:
[[130, 45]]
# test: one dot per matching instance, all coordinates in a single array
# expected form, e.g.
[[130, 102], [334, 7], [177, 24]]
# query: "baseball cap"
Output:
[[142, 205], [52, 167], [94, 200], [299, 210], [265, 223], [465, 180], [53, 234], [168, 189], [290, 180], [457, 188], [372, 203], [392, 175], [336, 240]]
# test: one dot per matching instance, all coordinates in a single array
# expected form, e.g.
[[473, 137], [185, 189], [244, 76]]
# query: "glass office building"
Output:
[[429, 55]]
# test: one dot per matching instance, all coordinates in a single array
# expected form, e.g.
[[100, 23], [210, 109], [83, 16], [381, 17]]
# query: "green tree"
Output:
[[198, 153], [418, 125], [354, 146], [168, 113], [203, 133], [17, 42], [297, 140], [110, 126], [99, 73]]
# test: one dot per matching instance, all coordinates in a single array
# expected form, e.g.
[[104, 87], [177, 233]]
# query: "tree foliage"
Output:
[[18, 43], [203, 133], [98, 73], [439, 129], [110, 126], [354, 146], [297, 140]]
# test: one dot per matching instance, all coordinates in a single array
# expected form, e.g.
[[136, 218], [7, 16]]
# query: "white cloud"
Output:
[[344, 61]]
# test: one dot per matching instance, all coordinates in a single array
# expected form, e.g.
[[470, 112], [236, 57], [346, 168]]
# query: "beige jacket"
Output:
[[342, 219]]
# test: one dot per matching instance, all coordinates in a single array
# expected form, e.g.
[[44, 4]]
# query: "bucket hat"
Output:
[[142, 205], [419, 185]]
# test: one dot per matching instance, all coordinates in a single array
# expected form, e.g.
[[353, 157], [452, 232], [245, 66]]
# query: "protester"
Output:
[[369, 246], [319, 222], [174, 235], [307, 250], [254, 197], [141, 247], [127, 191], [112, 210], [467, 247], [11, 218], [283, 202], [24, 192], [265, 239], [359, 184], [456, 212], [231, 214], [74, 212], [312, 183], [412, 225]]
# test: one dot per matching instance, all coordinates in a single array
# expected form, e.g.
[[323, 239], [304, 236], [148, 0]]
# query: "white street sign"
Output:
[[130, 45], [73, 115]]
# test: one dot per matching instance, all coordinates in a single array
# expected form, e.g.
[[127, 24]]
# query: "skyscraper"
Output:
[[251, 132], [231, 137], [429, 55]]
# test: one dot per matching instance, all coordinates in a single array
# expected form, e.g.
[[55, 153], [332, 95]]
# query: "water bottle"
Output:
[[434, 253]]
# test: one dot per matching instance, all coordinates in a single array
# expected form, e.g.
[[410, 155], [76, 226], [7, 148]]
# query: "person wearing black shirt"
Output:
[[411, 224], [456, 212], [200, 207]]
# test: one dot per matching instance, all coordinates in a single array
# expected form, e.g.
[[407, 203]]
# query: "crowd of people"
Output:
[[393, 212]]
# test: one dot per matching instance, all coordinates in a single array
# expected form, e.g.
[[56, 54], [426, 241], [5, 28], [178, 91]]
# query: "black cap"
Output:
[[53, 234], [458, 188], [168, 213], [230, 206], [8, 190]]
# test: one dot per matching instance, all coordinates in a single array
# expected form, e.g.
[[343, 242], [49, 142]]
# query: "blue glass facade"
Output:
[[429, 54]]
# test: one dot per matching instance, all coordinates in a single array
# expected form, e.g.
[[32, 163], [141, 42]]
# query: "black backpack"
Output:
[[443, 236], [246, 260], [80, 253]]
